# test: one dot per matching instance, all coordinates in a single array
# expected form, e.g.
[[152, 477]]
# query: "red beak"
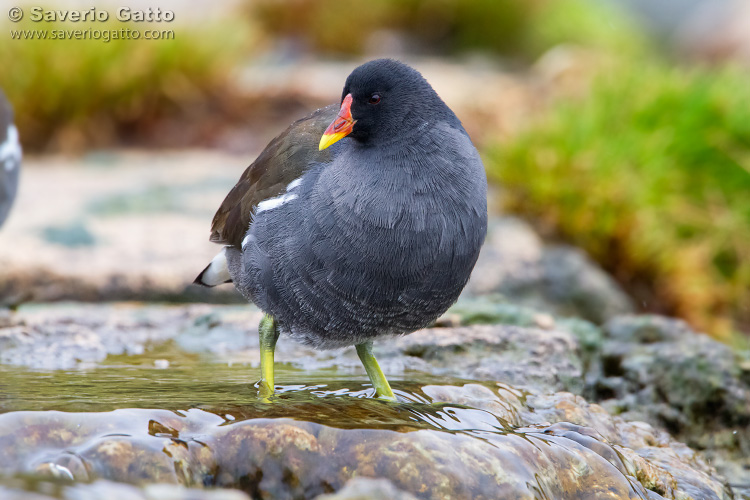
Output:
[[341, 126]]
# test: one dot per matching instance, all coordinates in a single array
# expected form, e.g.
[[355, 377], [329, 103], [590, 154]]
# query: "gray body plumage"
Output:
[[376, 241], [10, 159]]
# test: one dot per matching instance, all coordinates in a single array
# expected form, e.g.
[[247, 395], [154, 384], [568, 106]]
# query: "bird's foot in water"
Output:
[[269, 334], [377, 377]]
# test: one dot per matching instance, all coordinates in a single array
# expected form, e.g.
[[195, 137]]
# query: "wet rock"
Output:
[[66, 337], [531, 358], [560, 279], [79, 337], [642, 368], [654, 365], [362, 488], [649, 368], [659, 370], [510, 446], [110, 490], [661, 464]]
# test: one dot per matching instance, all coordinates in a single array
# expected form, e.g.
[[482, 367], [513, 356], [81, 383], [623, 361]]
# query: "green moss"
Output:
[[650, 174]]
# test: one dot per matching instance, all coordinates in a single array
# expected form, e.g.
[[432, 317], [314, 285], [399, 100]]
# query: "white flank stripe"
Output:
[[10, 150], [294, 184], [217, 271], [275, 202]]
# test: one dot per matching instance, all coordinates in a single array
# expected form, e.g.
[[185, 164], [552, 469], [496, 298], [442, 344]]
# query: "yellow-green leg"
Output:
[[379, 382], [269, 334]]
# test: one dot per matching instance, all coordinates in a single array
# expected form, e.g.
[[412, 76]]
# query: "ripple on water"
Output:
[[438, 441]]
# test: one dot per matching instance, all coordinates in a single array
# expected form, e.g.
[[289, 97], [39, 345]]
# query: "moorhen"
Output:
[[360, 220], [10, 158]]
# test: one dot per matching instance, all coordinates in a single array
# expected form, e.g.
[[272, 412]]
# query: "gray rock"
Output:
[[646, 368], [580, 287], [78, 337], [529, 358], [494, 310], [509, 258], [664, 363], [464, 442], [659, 370], [558, 279]]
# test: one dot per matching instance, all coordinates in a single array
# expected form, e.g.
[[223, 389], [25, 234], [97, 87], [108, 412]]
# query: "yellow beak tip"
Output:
[[328, 139]]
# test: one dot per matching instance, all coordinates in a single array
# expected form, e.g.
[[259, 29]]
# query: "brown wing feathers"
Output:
[[285, 159]]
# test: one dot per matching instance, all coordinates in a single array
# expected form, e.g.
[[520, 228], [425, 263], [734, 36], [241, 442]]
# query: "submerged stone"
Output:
[[41, 489], [456, 442], [363, 488], [196, 364]]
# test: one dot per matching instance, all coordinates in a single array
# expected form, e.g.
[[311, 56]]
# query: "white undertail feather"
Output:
[[217, 271]]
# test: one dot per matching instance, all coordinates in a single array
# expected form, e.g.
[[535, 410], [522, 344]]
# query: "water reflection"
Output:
[[200, 423]]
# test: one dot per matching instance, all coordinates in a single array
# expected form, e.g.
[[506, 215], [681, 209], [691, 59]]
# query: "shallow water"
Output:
[[175, 412], [325, 398], [201, 423], [164, 396], [167, 378]]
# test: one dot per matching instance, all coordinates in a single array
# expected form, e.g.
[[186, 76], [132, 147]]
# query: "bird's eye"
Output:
[[374, 99]]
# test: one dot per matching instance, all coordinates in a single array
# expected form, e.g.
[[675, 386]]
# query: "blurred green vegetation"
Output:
[[518, 29], [83, 92], [330, 26], [650, 173], [71, 95]]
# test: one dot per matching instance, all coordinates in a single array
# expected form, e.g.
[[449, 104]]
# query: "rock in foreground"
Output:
[[468, 442]]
